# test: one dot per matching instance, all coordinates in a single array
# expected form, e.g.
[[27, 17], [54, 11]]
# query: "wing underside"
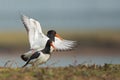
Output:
[[36, 37], [64, 44]]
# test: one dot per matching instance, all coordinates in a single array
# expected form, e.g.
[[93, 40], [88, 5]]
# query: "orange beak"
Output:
[[58, 36], [51, 44]]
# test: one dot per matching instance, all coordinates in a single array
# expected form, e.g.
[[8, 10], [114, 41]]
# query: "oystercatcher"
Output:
[[38, 40], [42, 56]]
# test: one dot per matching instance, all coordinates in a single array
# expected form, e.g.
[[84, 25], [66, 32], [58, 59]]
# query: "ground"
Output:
[[78, 72]]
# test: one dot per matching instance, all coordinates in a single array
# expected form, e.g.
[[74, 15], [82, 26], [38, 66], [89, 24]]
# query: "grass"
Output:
[[79, 72]]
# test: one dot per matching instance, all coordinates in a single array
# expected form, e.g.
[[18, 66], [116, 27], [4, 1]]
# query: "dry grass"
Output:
[[79, 72]]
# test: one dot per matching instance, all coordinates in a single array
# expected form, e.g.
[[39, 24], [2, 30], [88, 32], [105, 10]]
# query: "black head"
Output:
[[51, 34]]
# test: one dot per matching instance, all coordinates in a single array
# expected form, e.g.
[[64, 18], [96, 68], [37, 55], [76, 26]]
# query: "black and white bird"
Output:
[[38, 39], [42, 56]]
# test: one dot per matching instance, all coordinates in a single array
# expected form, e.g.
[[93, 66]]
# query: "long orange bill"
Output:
[[51, 44], [58, 36]]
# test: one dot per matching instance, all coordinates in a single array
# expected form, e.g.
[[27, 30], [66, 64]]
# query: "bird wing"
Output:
[[36, 37], [38, 40], [64, 44]]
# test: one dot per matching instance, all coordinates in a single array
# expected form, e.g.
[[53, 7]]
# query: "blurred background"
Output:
[[95, 24]]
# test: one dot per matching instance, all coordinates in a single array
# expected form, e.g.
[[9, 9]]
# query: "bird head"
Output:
[[52, 34]]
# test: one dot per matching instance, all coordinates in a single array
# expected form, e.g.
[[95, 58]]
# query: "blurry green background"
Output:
[[90, 22]]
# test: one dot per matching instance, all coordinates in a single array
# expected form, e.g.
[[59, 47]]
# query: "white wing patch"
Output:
[[36, 38], [64, 44]]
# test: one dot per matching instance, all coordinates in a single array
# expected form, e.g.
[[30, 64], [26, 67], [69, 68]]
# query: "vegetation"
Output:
[[79, 72], [101, 37]]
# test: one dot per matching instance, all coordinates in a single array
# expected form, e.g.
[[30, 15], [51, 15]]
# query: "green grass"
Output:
[[79, 72]]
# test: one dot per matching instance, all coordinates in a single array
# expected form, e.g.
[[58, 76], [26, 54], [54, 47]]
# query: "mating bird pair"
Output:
[[41, 46]]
